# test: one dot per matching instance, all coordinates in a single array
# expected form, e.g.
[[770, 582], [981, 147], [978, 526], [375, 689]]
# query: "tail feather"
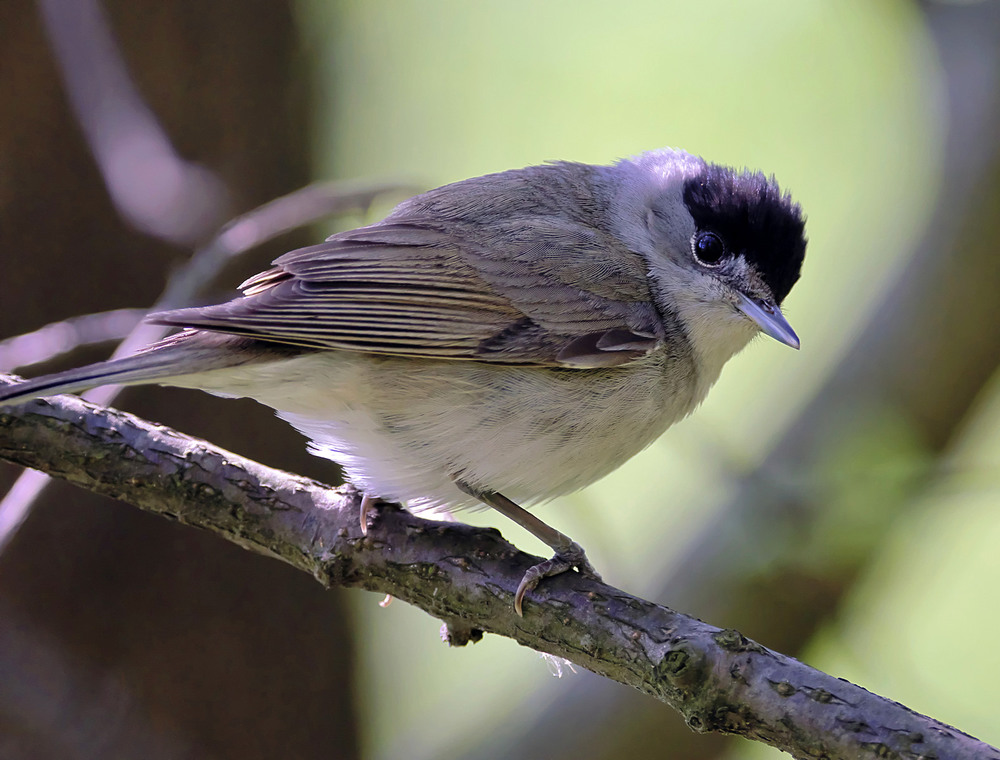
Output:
[[128, 371], [175, 357]]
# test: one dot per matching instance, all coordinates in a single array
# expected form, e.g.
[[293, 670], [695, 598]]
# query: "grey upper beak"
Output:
[[769, 318]]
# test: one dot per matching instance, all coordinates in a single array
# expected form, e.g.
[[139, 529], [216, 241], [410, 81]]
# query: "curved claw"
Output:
[[560, 562], [367, 506]]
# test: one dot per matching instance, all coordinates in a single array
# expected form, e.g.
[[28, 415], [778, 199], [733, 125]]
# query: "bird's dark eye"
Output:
[[708, 248]]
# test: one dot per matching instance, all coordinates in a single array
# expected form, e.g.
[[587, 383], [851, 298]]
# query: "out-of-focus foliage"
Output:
[[921, 624]]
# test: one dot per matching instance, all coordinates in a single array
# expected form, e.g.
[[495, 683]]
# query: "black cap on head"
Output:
[[748, 211]]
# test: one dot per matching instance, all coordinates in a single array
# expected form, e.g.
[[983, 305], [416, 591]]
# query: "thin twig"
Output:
[[153, 188], [57, 338], [278, 217]]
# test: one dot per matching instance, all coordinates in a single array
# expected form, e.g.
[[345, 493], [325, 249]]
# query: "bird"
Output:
[[501, 340]]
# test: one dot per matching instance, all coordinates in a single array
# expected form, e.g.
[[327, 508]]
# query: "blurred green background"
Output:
[[879, 562]]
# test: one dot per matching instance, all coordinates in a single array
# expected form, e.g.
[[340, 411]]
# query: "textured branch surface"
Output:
[[718, 679]]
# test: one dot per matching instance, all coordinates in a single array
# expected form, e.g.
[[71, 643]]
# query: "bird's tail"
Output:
[[172, 358]]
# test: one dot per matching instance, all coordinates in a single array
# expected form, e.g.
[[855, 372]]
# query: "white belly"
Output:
[[406, 429]]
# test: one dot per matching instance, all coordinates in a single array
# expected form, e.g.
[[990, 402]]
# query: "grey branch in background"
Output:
[[275, 218], [153, 188], [58, 338]]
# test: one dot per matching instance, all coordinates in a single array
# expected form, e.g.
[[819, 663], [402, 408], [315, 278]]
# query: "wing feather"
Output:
[[536, 290]]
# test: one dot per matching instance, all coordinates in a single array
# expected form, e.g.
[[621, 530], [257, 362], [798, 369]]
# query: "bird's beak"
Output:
[[769, 319]]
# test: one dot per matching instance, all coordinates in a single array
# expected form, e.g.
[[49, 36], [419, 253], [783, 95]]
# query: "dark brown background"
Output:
[[122, 635]]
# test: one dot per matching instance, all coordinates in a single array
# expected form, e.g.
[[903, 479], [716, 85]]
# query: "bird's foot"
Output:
[[568, 553], [369, 509], [568, 558]]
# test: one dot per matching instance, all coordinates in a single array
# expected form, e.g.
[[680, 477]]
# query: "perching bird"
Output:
[[505, 339]]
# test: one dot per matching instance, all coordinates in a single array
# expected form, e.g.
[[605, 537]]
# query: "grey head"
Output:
[[724, 246]]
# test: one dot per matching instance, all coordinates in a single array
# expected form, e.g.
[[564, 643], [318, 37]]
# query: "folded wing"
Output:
[[534, 290]]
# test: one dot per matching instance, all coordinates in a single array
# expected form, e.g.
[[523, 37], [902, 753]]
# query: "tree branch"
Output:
[[719, 680]]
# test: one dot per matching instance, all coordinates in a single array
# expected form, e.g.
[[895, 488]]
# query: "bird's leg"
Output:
[[568, 553]]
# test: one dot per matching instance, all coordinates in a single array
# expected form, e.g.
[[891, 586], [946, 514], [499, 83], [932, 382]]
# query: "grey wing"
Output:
[[509, 294]]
